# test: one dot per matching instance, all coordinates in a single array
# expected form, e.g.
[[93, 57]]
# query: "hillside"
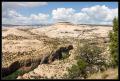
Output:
[[22, 43]]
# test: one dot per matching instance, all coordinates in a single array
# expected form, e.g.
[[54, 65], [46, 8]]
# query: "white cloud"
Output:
[[10, 16], [13, 14], [31, 4], [93, 15], [100, 14], [14, 5], [63, 14], [14, 17], [80, 18], [40, 16]]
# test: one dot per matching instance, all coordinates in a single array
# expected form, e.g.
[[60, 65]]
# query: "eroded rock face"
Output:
[[12, 68], [35, 61], [45, 60], [55, 70], [57, 54]]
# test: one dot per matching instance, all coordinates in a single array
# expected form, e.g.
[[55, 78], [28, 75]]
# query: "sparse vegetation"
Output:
[[14, 75], [87, 55], [17, 73], [77, 30], [77, 70], [14, 37], [105, 76], [4, 30], [90, 53]]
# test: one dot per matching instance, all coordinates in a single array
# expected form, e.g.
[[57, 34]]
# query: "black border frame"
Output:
[[58, 1]]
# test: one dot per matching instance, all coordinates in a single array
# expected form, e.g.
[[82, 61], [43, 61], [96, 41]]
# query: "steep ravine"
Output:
[[29, 64]]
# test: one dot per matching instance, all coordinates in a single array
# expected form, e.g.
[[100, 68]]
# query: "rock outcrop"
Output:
[[58, 53], [34, 62], [12, 68]]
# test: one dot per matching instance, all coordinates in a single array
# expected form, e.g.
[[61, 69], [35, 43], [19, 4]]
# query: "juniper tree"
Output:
[[114, 42]]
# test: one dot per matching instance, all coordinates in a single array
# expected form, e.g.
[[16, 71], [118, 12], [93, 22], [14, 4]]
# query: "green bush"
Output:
[[90, 53], [14, 75], [114, 43], [77, 70]]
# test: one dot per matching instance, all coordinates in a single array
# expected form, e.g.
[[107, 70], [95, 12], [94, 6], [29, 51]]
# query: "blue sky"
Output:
[[62, 10], [54, 5]]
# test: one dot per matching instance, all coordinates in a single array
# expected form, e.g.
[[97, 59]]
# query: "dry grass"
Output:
[[13, 37], [108, 74]]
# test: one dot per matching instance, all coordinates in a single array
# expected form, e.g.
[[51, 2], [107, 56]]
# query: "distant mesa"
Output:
[[63, 23]]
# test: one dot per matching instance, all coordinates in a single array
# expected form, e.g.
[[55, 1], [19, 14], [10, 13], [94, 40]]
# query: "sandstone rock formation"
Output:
[[34, 62]]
